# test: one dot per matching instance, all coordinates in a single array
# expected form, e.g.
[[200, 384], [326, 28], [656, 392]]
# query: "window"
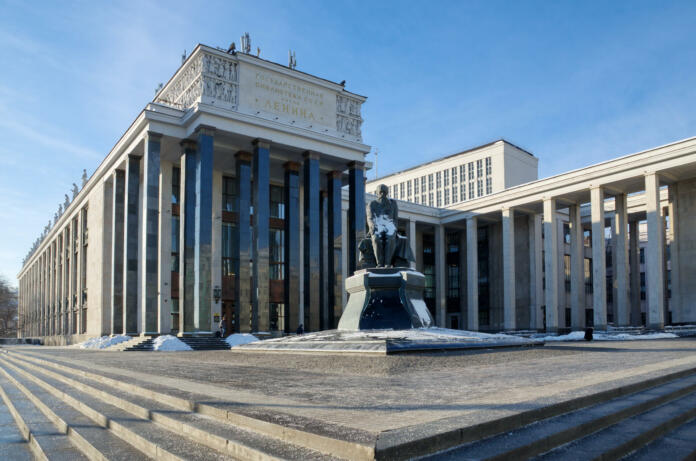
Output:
[[587, 262], [228, 193], [415, 199], [175, 244], [454, 175], [446, 178], [423, 199], [276, 254], [462, 191], [471, 190], [402, 195], [409, 190], [462, 173], [479, 168], [430, 181], [227, 249], [479, 187], [423, 185], [175, 314], [430, 199], [415, 186], [489, 168], [471, 171], [454, 194], [446, 197], [277, 316], [642, 285], [642, 255], [438, 179], [439, 197], [176, 185], [277, 202], [489, 185]]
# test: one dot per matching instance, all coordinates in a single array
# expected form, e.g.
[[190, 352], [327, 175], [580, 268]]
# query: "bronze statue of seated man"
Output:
[[383, 246]]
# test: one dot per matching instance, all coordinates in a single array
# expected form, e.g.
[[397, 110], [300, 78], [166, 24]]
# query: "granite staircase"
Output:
[[206, 343], [64, 409]]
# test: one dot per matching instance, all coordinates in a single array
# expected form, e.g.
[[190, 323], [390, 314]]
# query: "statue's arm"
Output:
[[369, 219]]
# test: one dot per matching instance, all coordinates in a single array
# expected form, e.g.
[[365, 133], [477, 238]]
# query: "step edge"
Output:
[[34, 446]]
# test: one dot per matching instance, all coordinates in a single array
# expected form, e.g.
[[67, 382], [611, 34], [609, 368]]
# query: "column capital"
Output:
[[134, 156], [153, 135], [357, 165], [261, 143], [188, 144], [310, 155], [292, 166], [596, 186], [243, 156], [205, 130], [335, 174]]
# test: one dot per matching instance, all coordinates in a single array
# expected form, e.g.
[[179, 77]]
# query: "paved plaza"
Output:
[[368, 395]]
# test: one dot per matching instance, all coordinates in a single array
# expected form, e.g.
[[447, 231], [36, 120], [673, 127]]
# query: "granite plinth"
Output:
[[385, 298], [386, 342]]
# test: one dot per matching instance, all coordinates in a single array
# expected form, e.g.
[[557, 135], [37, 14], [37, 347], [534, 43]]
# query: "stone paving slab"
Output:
[[404, 394]]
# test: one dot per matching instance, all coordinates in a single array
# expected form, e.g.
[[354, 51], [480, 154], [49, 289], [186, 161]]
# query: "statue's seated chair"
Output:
[[402, 254]]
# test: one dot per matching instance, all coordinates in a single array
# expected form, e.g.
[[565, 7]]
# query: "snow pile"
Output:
[[238, 339], [103, 342], [580, 336], [413, 334], [170, 343], [422, 311], [384, 223]]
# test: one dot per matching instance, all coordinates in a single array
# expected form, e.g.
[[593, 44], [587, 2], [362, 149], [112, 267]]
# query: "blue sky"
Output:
[[574, 82]]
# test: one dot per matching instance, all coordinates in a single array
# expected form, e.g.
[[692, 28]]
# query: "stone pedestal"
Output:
[[385, 298]]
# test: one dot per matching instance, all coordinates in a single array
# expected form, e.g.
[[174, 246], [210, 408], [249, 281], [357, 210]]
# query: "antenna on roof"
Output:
[[183, 57], [292, 60]]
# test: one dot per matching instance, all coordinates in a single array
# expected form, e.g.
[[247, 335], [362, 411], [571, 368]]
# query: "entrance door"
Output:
[[228, 311]]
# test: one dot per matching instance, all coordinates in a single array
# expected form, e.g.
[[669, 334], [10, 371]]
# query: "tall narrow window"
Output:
[[454, 175], [489, 168], [479, 168], [489, 185], [446, 197], [415, 186], [277, 254], [176, 185], [471, 171], [439, 197], [228, 191], [454, 194], [479, 187], [277, 202], [445, 175]]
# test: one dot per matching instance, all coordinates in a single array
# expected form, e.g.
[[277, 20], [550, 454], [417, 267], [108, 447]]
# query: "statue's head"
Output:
[[382, 191]]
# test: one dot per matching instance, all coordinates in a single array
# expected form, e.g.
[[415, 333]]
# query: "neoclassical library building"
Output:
[[239, 194]]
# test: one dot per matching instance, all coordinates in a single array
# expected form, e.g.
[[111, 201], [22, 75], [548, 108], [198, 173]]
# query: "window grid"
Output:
[[409, 190], [454, 194], [423, 185], [454, 175], [446, 197], [423, 198], [471, 190], [446, 178], [471, 171], [430, 182], [401, 191], [430, 199], [439, 198], [462, 173], [479, 187], [415, 186], [479, 168], [438, 180], [462, 191], [489, 168], [489, 185]]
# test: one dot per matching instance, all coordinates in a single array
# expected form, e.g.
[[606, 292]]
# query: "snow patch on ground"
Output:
[[170, 343], [580, 336], [413, 334], [103, 342], [238, 339]]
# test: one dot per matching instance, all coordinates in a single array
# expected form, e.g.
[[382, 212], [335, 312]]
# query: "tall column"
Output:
[[117, 254], [412, 239], [599, 279], [335, 231], [621, 262], [204, 230], [242, 244], [551, 264], [634, 264], [463, 318], [356, 212], [675, 301], [164, 242], [472, 295], [292, 247], [311, 241], [509, 313], [323, 261], [441, 276], [260, 317], [577, 270], [536, 275], [654, 254], [187, 217], [130, 226], [150, 233]]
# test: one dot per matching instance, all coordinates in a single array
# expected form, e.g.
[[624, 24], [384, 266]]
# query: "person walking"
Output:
[[223, 325]]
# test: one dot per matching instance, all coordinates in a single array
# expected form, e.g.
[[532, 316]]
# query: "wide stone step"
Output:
[[219, 435], [289, 429], [94, 440], [546, 434], [13, 445], [675, 445], [147, 436], [51, 440], [630, 434]]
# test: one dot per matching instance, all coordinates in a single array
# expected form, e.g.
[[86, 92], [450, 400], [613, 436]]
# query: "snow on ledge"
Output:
[[580, 336], [103, 342], [170, 343]]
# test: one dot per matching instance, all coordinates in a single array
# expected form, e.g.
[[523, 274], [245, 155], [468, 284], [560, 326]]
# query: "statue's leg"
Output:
[[377, 248], [390, 250]]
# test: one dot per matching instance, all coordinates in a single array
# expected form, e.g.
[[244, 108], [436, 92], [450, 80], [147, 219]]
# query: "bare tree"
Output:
[[8, 309]]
